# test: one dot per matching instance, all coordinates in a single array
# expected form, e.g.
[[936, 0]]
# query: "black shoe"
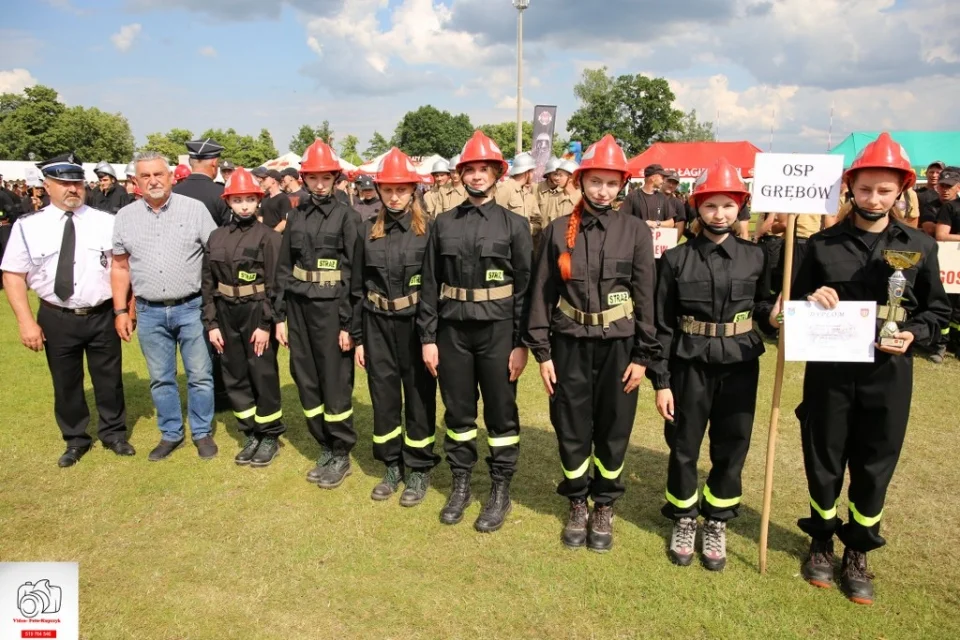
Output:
[[855, 581], [313, 476], [249, 448], [498, 505], [600, 528], [575, 533], [937, 356], [459, 500], [417, 484], [120, 447], [206, 447], [72, 456], [388, 485], [266, 452], [164, 449], [817, 569], [335, 473]]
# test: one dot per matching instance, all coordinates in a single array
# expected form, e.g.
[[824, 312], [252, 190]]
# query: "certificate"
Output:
[[844, 334]]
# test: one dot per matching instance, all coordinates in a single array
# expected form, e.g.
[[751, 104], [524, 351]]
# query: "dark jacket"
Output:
[[210, 193]]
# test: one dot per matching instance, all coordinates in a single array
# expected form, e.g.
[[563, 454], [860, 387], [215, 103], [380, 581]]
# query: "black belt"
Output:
[[169, 303], [83, 311]]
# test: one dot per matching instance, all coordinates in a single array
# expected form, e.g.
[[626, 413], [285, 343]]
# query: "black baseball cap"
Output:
[[655, 169], [672, 176], [290, 171], [364, 182], [950, 176], [226, 165], [937, 163]]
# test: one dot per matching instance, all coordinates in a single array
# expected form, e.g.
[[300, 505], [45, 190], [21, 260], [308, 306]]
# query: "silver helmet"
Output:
[[552, 165], [131, 170], [569, 166], [522, 163], [440, 166], [104, 167]]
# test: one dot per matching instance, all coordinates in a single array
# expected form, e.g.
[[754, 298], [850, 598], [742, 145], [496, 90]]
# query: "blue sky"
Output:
[[361, 64]]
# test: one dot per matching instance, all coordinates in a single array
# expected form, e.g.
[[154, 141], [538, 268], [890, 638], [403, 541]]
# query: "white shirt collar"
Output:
[[54, 210]]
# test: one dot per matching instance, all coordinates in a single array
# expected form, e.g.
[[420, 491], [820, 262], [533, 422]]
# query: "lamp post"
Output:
[[520, 6]]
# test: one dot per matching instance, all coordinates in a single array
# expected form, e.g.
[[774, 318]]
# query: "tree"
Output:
[[171, 144], [348, 150], [378, 145], [693, 130], [244, 151], [636, 109], [428, 130], [307, 135], [35, 121]]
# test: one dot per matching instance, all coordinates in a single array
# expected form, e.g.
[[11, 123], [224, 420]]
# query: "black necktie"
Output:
[[63, 285]]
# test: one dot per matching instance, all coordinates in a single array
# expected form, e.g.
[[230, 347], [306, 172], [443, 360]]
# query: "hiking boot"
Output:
[[416, 490], [937, 356], [600, 528], [388, 486], [266, 452], [459, 500], [683, 541], [817, 569], [498, 505], [249, 448], [855, 581], [575, 533], [325, 457], [713, 555], [335, 472]]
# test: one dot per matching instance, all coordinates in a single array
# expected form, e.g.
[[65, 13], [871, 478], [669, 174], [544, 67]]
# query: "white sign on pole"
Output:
[[663, 239], [950, 266], [797, 183]]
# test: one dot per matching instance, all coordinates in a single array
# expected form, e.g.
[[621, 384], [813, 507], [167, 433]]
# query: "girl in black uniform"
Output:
[[709, 291], [238, 291], [591, 329], [386, 292]]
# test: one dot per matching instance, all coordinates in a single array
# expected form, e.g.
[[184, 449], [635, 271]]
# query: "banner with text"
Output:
[[544, 125], [950, 266], [797, 183], [663, 239]]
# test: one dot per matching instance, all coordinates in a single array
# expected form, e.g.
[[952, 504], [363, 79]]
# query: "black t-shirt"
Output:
[[950, 214], [648, 206], [274, 209], [869, 238]]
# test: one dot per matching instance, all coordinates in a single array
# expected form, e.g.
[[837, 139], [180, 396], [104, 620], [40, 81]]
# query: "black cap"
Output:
[[655, 169], [364, 182], [290, 171], [950, 176], [273, 173], [260, 172], [342, 178], [672, 176], [937, 163], [204, 149], [66, 166], [226, 165]]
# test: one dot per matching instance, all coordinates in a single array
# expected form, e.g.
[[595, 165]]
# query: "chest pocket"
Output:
[[218, 254], [100, 253], [841, 270], [743, 290], [412, 265], [376, 258], [694, 291], [495, 249], [249, 264], [450, 246], [614, 268], [44, 249]]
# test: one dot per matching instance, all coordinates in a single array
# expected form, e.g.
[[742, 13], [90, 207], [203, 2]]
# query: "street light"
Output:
[[520, 6]]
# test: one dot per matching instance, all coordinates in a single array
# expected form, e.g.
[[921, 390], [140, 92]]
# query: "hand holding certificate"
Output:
[[845, 333]]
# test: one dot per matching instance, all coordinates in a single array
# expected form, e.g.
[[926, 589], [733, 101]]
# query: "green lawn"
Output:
[[192, 549]]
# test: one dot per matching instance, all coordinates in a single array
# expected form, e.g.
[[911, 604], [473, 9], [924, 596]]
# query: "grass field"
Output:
[[191, 549]]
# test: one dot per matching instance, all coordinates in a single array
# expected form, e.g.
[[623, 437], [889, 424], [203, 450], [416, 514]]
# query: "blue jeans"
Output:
[[161, 330]]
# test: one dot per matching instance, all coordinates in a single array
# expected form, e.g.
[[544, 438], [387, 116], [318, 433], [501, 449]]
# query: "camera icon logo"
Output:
[[35, 598]]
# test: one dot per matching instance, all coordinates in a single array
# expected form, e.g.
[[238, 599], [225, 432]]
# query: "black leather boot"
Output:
[[389, 485], [459, 500], [855, 580], [817, 569], [498, 505], [575, 533], [249, 448], [266, 452]]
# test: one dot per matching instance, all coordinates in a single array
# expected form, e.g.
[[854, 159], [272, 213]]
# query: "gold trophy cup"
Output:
[[896, 288]]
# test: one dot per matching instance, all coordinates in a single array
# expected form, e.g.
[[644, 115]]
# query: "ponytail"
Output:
[[573, 227]]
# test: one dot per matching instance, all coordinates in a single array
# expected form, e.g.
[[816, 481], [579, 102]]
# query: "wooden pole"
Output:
[[777, 388]]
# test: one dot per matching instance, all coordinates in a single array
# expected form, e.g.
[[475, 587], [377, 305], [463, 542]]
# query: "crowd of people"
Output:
[[453, 287]]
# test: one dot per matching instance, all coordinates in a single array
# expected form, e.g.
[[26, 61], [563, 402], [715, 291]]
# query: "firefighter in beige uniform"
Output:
[[453, 194], [433, 200], [516, 194], [557, 195]]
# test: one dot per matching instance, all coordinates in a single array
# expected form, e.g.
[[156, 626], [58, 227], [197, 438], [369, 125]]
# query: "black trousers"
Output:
[[725, 396], [471, 354], [322, 372], [591, 415], [70, 337], [400, 383], [853, 415], [252, 383]]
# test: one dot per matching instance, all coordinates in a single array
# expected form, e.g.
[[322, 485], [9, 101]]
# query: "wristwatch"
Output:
[[119, 312]]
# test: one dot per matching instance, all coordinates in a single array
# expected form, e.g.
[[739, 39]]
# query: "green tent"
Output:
[[923, 147]]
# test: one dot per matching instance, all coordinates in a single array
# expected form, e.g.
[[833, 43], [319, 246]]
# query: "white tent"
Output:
[[291, 159], [26, 170], [423, 166]]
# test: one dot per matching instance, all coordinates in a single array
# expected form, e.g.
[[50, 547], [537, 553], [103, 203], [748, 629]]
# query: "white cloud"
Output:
[[208, 52], [16, 80], [510, 102], [315, 45], [124, 38]]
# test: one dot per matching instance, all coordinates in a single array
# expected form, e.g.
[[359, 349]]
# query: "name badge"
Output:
[[327, 264], [743, 315], [494, 275], [246, 276], [415, 281], [617, 298]]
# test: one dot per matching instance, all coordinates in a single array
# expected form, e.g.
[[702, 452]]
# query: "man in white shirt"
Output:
[[63, 252]]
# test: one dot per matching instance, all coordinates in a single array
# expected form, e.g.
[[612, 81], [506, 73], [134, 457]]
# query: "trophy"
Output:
[[896, 287]]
